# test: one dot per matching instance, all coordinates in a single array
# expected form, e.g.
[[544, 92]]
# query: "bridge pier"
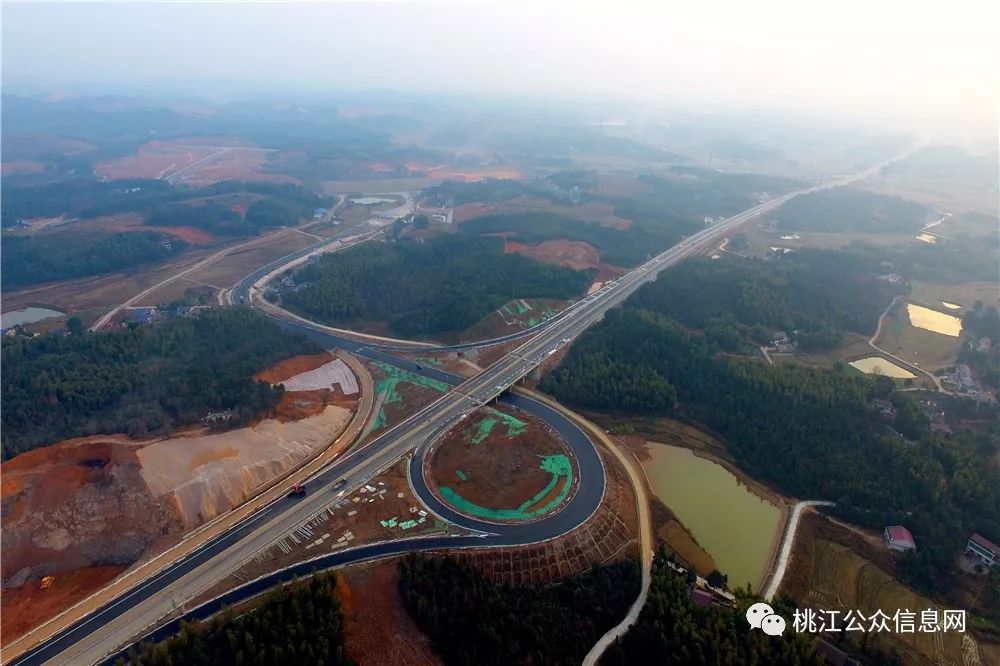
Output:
[[536, 373]]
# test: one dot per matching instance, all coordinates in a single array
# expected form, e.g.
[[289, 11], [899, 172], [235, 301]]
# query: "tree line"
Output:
[[978, 323], [89, 198], [473, 620], [673, 629], [140, 380], [850, 209], [61, 256], [299, 624], [422, 288], [816, 296]]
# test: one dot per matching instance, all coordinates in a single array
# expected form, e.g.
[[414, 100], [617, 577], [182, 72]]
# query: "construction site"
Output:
[[79, 513], [502, 466]]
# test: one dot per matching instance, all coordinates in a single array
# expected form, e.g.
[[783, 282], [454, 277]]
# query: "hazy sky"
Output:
[[915, 63]]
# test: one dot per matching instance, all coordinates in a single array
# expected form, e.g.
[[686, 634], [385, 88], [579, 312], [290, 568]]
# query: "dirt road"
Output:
[[645, 529], [902, 361], [108, 316], [786, 546]]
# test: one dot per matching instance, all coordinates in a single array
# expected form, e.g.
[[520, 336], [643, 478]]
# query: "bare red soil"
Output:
[[379, 631], [226, 158], [470, 210], [77, 506], [187, 234], [501, 471], [293, 366], [471, 175], [608, 535], [21, 166], [27, 606], [295, 405], [574, 254], [155, 159]]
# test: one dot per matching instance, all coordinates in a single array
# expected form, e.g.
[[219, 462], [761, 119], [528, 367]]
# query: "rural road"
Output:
[[212, 258], [645, 528], [786, 545], [106, 630], [901, 361]]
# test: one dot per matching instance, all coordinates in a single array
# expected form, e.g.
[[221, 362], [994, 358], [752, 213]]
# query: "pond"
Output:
[[371, 201], [735, 526], [932, 320], [876, 365], [28, 316]]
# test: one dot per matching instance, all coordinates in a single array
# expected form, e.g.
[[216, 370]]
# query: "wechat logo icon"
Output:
[[761, 616]]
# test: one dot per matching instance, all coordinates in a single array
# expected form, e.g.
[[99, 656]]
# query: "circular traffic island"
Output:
[[502, 466]]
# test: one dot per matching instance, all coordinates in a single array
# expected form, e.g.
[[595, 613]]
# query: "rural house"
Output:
[[981, 547], [898, 538]]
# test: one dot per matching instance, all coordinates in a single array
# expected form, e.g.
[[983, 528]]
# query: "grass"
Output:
[[964, 294]]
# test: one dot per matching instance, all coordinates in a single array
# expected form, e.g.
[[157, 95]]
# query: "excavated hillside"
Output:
[[101, 503]]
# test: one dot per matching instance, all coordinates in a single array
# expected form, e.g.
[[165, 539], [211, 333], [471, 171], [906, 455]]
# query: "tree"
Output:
[[74, 325], [717, 579], [140, 380], [421, 221]]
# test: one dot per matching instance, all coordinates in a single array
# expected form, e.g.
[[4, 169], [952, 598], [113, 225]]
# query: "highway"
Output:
[[114, 625], [108, 629]]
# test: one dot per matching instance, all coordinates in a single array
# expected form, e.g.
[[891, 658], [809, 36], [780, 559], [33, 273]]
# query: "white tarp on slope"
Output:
[[324, 377]]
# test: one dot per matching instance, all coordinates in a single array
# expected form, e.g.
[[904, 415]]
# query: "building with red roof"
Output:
[[899, 538]]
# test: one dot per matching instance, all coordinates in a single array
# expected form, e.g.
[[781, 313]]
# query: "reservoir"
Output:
[[28, 316], [935, 321], [371, 201], [876, 365], [735, 526]]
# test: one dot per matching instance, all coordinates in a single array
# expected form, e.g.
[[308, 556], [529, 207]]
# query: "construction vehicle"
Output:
[[298, 490], [47, 582]]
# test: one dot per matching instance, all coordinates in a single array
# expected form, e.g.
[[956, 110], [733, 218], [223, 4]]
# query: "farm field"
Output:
[[954, 196], [100, 292], [760, 241], [194, 161], [963, 294], [229, 269], [834, 567], [923, 348]]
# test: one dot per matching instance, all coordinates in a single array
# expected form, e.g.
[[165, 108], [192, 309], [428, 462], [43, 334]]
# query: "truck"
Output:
[[298, 490], [340, 484]]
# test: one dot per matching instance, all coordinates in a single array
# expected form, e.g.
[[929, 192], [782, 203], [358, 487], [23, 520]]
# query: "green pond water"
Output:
[[735, 526]]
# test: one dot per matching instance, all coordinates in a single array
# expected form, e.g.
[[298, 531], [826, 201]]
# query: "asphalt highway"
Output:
[[106, 630], [93, 638]]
